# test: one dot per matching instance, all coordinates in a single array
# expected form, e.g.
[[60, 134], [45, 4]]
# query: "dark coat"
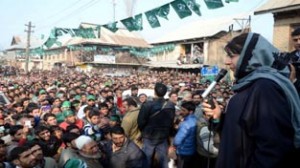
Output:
[[129, 156], [257, 129], [157, 127]]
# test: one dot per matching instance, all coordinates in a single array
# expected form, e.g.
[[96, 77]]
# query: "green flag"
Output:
[[49, 43], [213, 4], [181, 8], [193, 6], [129, 23], [112, 27], [228, 1], [85, 33], [52, 33], [163, 11], [139, 22], [135, 23], [152, 18], [62, 31]]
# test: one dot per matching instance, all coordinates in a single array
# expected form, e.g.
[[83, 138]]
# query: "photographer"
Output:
[[295, 60]]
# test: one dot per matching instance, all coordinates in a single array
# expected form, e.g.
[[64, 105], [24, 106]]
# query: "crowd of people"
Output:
[[71, 114], [73, 119]]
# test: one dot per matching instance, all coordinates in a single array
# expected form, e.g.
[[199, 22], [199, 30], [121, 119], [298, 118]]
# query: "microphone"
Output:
[[220, 75]]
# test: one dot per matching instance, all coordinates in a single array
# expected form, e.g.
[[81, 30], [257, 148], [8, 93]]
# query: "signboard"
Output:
[[109, 59], [209, 72]]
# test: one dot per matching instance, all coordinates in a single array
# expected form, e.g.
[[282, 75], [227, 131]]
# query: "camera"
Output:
[[297, 69], [282, 59]]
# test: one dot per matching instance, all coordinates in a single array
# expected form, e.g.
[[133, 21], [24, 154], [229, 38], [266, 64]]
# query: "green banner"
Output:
[[52, 33], [213, 4], [193, 6], [133, 24], [152, 18], [228, 1], [85, 33], [181, 8], [82, 48], [63, 31], [50, 42], [112, 27], [163, 11]]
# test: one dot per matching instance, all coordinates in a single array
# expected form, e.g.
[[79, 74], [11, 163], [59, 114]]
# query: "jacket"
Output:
[[185, 139], [129, 123], [156, 128], [129, 156]]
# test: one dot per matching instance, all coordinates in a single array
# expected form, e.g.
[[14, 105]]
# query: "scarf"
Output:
[[255, 62]]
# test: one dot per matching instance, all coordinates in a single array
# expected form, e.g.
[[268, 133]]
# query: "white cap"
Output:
[[82, 140]]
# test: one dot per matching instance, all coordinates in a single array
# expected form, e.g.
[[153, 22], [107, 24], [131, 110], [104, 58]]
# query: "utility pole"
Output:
[[28, 31], [245, 24], [114, 11]]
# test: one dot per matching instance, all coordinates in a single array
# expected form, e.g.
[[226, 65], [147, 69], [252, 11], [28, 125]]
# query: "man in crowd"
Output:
[[134, 93], [129, 122], [90, 102], [155, 121], [3, 154], [296, 41], [22, 157], [295, 60], [185, 139], [42, 162], [88, 151], [50, 144], [121, 152], [70, 118], [70, 150]]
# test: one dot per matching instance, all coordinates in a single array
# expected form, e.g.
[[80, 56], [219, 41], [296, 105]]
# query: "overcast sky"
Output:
[[47, 14]]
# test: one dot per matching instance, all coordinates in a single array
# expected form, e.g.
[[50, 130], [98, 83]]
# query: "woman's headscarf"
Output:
[[256, 60]]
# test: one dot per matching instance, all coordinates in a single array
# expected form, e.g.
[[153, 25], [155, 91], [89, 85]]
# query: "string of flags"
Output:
[[183, 9]]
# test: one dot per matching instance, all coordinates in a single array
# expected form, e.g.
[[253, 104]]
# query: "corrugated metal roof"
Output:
[[120, 38], [20, 42], [171, 64], [273, 6], [199, 29]]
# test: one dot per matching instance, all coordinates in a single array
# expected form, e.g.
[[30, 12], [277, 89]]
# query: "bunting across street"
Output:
[[152, 18], [213, 4], [193, 6], [133, 23], [163, 11], [112, 26], [181, 8]]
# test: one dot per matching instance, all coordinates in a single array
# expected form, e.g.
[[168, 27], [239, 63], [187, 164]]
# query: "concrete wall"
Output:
[[283, 26], [216, 54], [213, 50], [169, 56], [64, 56]]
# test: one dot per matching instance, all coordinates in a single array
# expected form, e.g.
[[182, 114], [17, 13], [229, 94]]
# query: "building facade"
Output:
[[286, 18]]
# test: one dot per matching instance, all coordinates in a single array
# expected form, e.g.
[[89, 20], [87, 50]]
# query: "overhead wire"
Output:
[[58, 12], [71, 15]]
